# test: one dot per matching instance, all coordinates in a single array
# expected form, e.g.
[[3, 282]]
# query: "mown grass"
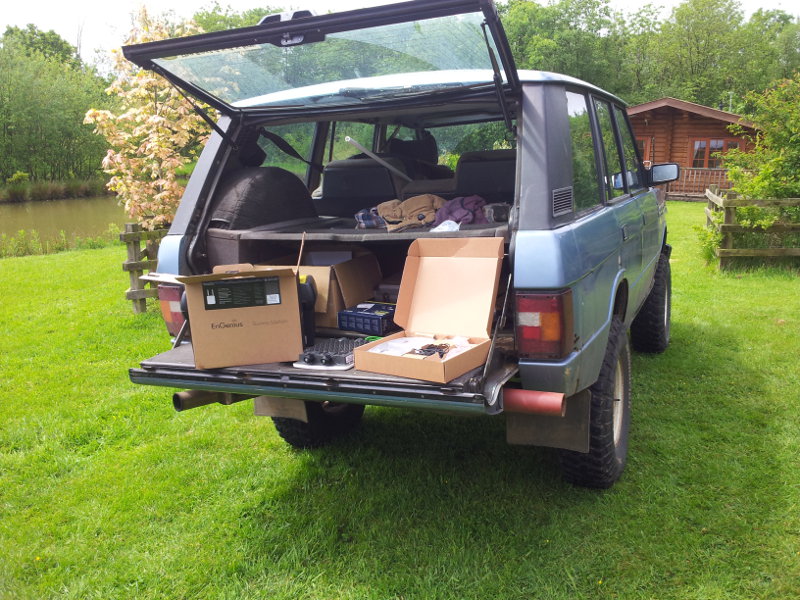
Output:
[[106, 492]]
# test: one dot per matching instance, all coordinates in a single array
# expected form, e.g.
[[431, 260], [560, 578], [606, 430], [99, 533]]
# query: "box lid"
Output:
[[245, 270], [449, 286]]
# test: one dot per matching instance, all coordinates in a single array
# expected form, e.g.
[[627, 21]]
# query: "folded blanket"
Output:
[[463, 210]]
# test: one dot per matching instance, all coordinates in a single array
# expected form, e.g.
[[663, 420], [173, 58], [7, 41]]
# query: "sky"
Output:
[[100, 25]]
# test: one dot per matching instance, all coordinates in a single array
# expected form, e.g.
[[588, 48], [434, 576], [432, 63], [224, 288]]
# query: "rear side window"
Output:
[[299, 136], [585, 186], [632, 166]]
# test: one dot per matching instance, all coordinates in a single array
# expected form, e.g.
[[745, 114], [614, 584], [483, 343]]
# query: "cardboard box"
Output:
[[342, 278], [241, 315], [449, 288]]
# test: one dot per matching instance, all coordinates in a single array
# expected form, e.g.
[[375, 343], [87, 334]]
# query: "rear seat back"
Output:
[[490, 174], [355, 183]]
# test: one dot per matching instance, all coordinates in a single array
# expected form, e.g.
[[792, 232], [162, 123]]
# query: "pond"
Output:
[[82, 217]]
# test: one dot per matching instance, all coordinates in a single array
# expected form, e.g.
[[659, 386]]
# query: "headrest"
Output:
[[424, 149]]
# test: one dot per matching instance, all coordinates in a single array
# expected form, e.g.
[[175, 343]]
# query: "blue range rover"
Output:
[[323, 120]]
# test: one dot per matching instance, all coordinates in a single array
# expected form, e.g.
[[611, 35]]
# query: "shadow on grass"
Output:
[[450, 494]]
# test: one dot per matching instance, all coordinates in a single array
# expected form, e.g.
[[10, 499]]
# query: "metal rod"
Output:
[[377, 158]]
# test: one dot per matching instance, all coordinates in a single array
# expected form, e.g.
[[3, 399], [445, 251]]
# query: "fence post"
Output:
[[139, 261]]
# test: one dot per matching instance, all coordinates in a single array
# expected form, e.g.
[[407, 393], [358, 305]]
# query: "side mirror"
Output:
[[664, 173]]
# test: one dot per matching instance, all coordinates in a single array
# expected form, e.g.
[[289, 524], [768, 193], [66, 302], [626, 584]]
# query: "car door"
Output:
[[652, 209], [626, 205]]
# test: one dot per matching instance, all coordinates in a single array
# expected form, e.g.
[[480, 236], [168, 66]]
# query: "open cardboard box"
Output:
[[342, 278], [243, 315], [449, 288]]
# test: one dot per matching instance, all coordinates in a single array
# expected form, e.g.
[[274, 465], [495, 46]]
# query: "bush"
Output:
[[26, 243]]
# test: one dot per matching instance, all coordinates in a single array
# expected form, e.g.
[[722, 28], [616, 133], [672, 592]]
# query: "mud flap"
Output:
[[570, 432], [272, 406]]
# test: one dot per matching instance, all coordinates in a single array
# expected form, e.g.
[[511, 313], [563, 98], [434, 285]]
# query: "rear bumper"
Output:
[[468, 394], [324, 390]]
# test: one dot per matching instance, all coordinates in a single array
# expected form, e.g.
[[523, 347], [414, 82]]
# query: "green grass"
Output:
[[106, 492]]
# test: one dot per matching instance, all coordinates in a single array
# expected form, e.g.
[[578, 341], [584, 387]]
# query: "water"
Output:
[[82, 217]]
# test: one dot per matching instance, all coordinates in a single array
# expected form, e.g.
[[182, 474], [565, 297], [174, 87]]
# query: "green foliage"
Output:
[[44, 93], [27, 243], [19, 177], [772, 169], [218, 18], [48, 44], [23, 190], [704, 51], [709, 238]]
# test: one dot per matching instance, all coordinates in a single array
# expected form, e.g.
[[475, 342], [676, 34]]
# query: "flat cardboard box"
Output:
[[341, 278], [241, 315], [449, 288]]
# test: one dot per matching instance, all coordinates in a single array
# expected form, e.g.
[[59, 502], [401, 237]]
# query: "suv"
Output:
[[323, 117]]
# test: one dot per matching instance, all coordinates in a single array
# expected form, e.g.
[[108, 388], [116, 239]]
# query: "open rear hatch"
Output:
[[396, 54]]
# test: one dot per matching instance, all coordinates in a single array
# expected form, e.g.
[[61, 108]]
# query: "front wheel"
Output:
[[610, 419], [326, 421]]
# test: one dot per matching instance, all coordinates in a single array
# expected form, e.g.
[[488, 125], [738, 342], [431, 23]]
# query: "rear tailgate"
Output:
[[474, 392]]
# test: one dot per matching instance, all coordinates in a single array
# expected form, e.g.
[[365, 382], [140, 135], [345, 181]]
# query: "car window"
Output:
[[299, 136], [585, 186], [615, 187], [632, 165], [339, 148], [454, 140]]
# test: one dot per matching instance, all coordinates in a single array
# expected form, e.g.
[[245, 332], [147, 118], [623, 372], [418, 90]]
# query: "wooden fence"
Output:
[[140, 260], [729, 225], [694, 182]]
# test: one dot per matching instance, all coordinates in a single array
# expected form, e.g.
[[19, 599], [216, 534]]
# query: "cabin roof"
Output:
[[698, 109]]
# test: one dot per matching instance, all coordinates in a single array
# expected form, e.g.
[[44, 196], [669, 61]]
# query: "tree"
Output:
[[699, 47], [154, 133], [47, 43], [43, 96], [216, 18], [772, 169]]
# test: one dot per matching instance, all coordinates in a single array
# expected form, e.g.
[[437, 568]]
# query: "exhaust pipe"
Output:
[[532, 402], [194, 398]]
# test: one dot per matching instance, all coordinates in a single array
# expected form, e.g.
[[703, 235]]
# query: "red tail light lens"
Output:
[[544, 325]]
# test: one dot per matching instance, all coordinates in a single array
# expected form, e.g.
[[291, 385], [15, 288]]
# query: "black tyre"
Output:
[[610, 419], [326, 421], [650, 328]]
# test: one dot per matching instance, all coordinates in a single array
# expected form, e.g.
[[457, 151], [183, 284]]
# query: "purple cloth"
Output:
[[463, 210]]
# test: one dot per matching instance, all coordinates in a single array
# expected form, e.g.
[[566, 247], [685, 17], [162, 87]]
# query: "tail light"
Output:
[[169, 298], [544, 325]]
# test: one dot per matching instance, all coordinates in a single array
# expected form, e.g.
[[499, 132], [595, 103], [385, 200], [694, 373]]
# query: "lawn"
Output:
[[106, 492]]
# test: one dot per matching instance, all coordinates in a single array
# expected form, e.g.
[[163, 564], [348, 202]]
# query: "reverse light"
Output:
[[544, 325]]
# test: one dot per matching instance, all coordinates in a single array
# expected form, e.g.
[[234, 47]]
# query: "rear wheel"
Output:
[[326, 421], [650, 328], [609, 421]]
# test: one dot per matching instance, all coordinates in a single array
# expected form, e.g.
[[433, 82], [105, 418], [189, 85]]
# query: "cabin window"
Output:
[[706, 152]]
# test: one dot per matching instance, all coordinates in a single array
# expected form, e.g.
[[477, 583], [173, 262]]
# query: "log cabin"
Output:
[[692, 135]]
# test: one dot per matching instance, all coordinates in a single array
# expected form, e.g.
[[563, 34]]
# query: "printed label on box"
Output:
[[241, 293]]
